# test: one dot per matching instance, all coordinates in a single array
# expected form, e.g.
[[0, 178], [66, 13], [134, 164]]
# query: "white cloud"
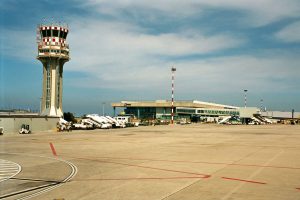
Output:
[[257, 12], [211, 75], [290, 33], [120, 54]]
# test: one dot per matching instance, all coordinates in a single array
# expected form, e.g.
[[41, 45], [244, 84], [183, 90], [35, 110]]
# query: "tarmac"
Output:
[[197, 161]]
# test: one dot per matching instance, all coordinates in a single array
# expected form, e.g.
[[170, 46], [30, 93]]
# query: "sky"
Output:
[[124, 50]]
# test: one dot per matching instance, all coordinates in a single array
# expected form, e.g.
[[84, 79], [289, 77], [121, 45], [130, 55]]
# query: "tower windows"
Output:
[[61, 34], [48, 33], [55, 33], [44, 33], [65, 35]]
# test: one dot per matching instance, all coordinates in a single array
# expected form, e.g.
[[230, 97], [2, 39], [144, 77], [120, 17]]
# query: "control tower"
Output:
[[53, 52]]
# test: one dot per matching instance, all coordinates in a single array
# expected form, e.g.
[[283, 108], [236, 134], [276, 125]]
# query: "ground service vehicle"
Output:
[[24, 129]]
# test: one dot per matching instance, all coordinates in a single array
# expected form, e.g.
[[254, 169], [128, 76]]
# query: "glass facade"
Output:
[[185, 110], [54, 33], [218, 112], [53, 51], [208, 112], [142, 112]]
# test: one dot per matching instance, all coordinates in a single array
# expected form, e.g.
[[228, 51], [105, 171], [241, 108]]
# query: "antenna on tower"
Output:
[[45, 21], [52, 21], [38, 35]]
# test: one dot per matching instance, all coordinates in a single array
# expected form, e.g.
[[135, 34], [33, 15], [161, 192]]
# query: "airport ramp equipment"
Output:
[[263, 119], [112, 122], [63, 121], [91, 122], [256, 121], [116, 123], [268, 120], [105, 120], [224, 120], [79, 126], [99, 119]]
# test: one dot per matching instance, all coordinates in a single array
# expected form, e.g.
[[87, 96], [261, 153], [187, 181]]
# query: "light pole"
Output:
[[245, 98], [41, 104], [173, 69], [261, 105]]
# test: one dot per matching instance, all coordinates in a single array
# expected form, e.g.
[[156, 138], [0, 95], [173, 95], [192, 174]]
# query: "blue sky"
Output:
[[123, 50]]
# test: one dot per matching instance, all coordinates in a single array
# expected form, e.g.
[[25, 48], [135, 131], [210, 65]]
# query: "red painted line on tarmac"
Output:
[[243, 180], [140, 178], [202, 162], [53, 149], [147, 167], [161, 169]]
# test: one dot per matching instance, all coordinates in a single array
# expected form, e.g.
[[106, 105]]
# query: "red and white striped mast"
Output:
[[173, 69], [245, 100]]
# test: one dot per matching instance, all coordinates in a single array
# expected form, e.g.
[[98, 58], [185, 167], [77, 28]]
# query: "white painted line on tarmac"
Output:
[[256, 172], [8, 169], [73, 173]]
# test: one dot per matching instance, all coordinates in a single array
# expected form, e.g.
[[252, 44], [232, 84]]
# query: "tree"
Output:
[[69, 117]]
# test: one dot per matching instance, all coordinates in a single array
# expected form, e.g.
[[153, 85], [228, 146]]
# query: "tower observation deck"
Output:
[[53, 52]]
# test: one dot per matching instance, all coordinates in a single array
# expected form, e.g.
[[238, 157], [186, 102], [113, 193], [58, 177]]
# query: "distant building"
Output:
[[281, 115], [12, 120]]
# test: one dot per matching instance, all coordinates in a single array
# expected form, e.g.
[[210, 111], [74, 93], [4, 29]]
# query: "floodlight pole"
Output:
[[173, 69]]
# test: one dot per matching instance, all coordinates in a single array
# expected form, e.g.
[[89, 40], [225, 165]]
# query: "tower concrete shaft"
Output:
[[52, 86], [53, 52]]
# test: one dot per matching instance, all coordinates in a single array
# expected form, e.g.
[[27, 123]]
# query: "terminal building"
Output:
[[199, 111], [161, 109]]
